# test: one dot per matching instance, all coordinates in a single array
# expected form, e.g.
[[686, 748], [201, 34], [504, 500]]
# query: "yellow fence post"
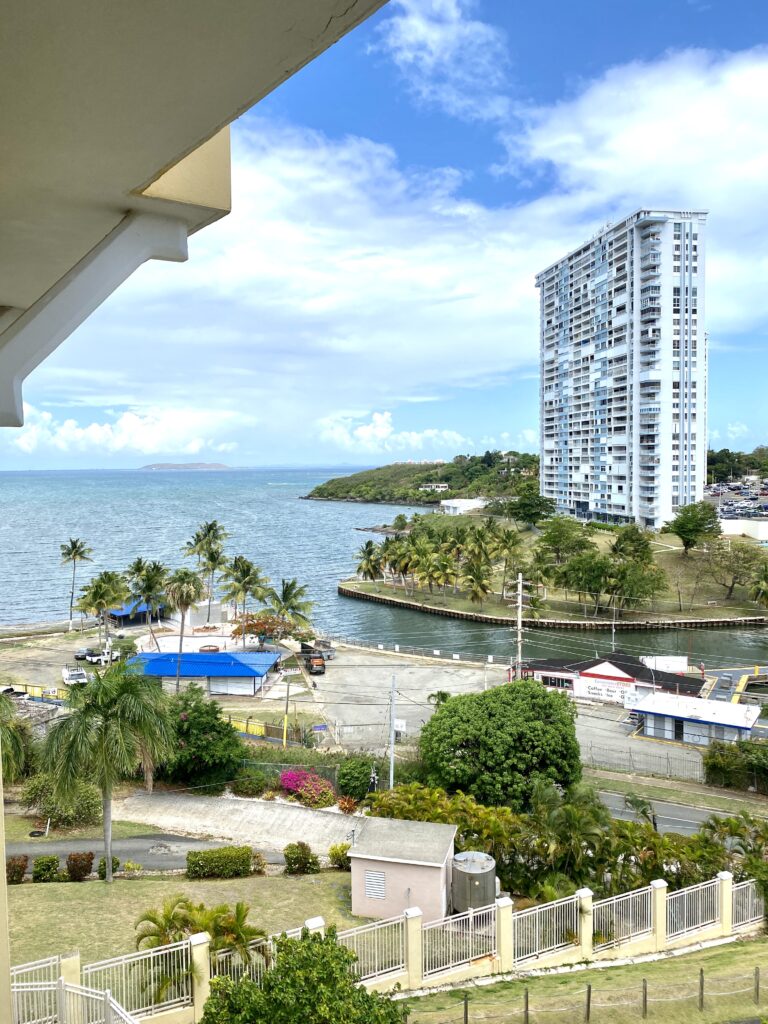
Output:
[[505, 946], [726, 902], [69, 968], [585, 922], [200, 948], [659, 916], [315, 925], [414, 947]]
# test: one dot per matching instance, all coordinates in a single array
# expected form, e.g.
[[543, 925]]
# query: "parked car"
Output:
[[82, 653], [317, 666]]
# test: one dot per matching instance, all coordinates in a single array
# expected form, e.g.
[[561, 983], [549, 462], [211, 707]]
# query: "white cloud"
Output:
[[736, 430], [448, 59], [167, 431], [378, 434]]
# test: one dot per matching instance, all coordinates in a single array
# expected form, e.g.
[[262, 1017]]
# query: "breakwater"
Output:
[[741, 622]]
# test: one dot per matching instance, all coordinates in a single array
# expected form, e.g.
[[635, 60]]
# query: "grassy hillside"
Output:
[[467, 476]]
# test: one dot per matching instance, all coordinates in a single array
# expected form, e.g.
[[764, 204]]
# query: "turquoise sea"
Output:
[[122, 514]]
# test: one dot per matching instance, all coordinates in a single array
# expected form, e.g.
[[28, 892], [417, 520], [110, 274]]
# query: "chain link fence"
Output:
[[672, 765]]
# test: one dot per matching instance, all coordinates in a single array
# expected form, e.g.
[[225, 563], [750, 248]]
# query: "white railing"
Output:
[[621, 918], [46, 1002], [231, 964], [544, 929], [689, 910], [155, 979], [459, 939], [380, 947], [748, 904], [38, 970]]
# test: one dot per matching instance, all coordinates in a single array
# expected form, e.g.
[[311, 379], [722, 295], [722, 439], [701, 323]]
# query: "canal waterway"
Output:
[[122, 514]]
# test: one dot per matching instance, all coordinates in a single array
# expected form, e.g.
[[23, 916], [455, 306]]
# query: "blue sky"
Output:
[[371, 296]]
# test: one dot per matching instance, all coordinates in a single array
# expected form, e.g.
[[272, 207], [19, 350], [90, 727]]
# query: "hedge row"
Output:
[[741, 765], [224, 862]]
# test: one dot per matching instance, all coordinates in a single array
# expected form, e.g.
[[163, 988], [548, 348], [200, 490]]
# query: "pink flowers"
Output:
[[292, 781], [311, 789]]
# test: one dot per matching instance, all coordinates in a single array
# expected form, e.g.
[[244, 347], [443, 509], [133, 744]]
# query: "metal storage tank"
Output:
[[474, 881]]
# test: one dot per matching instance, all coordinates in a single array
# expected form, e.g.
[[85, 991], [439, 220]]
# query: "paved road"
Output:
[[670, 817], [155, 852]]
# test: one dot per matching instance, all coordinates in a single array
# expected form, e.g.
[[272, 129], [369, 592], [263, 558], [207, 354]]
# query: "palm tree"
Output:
[[476, 580], [506, 547], [206, 536], [12, 737], [370, 561], [243, 579], [640, 807], [290, 603], [74, 551], [114, 720], [148, 588], [758, 590], [183, 589], [162, 927], [104, 591], [213, 560]]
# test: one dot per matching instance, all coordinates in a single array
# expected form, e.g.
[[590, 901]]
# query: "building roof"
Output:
[[623, 665], [128, 609], [694, 709], [412, 842], [195, 665]]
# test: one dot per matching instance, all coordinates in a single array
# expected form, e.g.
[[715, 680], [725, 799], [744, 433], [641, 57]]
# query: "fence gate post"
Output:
[[69, 968], [757, 986], [645, 998], [526, 1019], [588, 1004], [200, 955], [414, 949], [701, 989], [505, 944], [315, 925], [659, 913], [466, 1008], [585, 922], [725, 897]]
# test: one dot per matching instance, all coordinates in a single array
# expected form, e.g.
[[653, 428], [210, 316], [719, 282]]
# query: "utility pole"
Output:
[[285, 715], [519, 662], [613, 626], [392, 734]]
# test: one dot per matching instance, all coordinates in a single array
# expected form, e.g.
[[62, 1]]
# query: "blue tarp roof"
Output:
[[130, 609], [226, 663]]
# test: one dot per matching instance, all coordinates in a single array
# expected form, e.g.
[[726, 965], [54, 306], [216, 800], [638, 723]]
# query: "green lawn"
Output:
[[18, 827], [98, 919], [560, 999]]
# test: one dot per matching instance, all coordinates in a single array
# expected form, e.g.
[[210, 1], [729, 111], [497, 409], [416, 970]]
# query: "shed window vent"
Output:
[[375, 885]]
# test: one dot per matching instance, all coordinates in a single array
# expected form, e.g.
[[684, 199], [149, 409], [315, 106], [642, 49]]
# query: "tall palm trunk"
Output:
[[245, 600], [181, 648], [210, 597], [106, 806], [72, 595]]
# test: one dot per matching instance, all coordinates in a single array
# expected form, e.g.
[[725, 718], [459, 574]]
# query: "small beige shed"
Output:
[[400, 864]]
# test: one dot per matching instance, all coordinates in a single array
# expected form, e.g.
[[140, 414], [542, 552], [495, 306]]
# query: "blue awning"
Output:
[[128, 609], [194, 665]]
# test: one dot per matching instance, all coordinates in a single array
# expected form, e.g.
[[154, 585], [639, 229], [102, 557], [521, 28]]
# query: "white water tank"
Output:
[[474, 881]]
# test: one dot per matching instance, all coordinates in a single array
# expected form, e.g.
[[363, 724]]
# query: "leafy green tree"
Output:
[[588, 574], [694, 523], [494, 745], [312, 980], [734, 563], [183, 590], [630, 583], [207, 752], [400, 522], [290, 603], [632, 542], [531, 507], [564, 537], [758, 586], [116, 720], [74, 551]]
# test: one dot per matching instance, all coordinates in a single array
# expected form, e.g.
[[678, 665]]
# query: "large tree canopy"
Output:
[[495, 745], [694, 523]]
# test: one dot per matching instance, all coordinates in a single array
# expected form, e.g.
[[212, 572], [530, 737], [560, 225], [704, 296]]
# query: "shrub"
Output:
[[62, 875], [347, 804], [292, 780], [79, 866], [130, 867], [258, 863], [15, 869], [102, 870], [270, 794], [45, 868], [354, 776], [338, 855], [84, 807], [224, 862], [299, 860], [316, 792], [251, 783], [207, 750]]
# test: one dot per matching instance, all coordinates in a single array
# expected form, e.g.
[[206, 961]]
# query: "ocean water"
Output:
[[122, 514]]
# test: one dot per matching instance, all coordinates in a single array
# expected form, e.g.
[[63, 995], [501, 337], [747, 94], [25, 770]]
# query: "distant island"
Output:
[[494, 474], [198, 466]]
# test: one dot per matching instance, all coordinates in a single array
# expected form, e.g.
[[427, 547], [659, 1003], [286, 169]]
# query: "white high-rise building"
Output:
[[623, 398]]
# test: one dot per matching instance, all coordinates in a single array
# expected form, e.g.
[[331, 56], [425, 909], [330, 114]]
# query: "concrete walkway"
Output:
[[265, 825]]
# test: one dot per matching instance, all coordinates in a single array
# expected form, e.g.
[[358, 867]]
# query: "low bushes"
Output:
[[15, 869], [742, 765], [347, 804], [258, 863], [250, 783], [354, 776], [224, 862], [292, 780], [102, 870], [79, 866], [338, 855], [84, 808], [45, 868], [299, 860], [316, 792]]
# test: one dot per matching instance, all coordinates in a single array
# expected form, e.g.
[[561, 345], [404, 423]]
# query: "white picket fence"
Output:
[[544, 929], [146, 982], [619, 919], [261, 954], [46, 1002], [693, 908], [379, 947], [748, 905], [458, 940]]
